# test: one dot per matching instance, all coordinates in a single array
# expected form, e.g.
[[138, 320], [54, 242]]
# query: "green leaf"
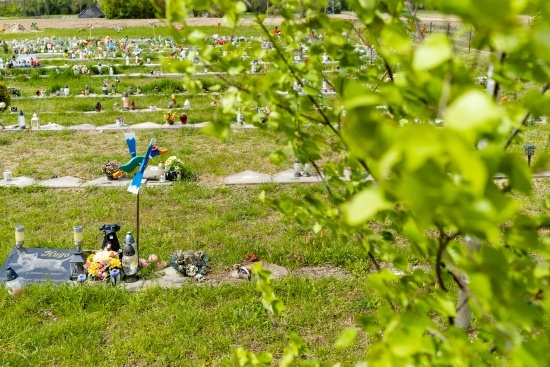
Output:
[[435, 51], [473, 110], [364, 206], [347, 338]]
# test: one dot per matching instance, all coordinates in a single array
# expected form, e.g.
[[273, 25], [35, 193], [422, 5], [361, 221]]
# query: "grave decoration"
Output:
[[112, 170], [183, 118], [110, 239], [170, 117], [174, 168], [14, 284], [191, 263], [136, 160], [151, 266], [100, 264]]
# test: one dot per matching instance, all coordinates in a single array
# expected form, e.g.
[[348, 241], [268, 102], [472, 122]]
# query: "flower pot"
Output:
[[172, 175], [170, 122], [110, 177]]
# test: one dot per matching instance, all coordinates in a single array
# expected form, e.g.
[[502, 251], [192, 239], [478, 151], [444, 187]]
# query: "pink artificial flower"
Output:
[[143, 263], [153, 257], [161, 264]]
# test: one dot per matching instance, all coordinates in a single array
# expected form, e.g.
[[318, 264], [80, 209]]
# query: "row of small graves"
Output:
[[115, 263]]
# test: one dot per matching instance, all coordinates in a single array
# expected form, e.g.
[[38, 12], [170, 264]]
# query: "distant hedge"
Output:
[[132, 9]]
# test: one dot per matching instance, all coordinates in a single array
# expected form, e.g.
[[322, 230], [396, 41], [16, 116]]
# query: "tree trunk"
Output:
[[463, 317]]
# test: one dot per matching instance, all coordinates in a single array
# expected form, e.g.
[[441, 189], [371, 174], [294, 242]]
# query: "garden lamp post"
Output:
[[529, 152]]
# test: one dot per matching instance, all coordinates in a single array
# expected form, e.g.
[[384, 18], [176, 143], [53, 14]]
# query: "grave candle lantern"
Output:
[[130, 263], [14, 285], [78, 235], [35, 121], [77, 265], [307, 170], [81, 278], [115, 277], [21, 120], [297, 168], [19, 236]]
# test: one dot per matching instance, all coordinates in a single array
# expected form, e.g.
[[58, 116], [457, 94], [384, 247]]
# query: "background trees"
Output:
[[132, 9], [409, 163]]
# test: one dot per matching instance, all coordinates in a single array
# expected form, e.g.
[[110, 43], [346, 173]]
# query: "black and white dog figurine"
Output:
[[110, 240]]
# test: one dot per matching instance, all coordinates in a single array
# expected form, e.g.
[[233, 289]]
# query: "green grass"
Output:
[[191, 326]]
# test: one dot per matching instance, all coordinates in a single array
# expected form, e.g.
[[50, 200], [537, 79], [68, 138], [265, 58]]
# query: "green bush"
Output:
[[4, 95], [132, 9]]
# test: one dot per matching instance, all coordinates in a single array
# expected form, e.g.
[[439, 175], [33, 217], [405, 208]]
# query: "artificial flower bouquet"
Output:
[[170, 117], [151, 266], [101, 263], [111, 169]]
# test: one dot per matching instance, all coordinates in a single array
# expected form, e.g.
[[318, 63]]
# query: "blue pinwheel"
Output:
[[138, 177]]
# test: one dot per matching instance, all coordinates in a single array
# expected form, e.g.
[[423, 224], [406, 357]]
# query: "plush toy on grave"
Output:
[[135, 160], [110, 240]]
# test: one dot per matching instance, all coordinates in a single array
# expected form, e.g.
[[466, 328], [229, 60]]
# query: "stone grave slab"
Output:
[[171, 278], [199, 125], [247, 178], [12, 128], [113, 127], [50, 126], [144, 126], [104, 182], [37, 265], [177, 125], [237, 125], [288, 177], [155, 183], [92, 112], [65, 182], [20, 182], [83, 127]]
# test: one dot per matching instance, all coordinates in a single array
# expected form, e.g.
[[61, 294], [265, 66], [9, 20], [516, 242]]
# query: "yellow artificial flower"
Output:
[[114, 263]]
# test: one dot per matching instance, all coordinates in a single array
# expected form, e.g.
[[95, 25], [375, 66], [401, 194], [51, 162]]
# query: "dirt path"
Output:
[[76, 23]]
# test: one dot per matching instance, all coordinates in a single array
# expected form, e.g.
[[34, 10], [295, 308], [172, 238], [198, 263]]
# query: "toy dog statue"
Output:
[[110, 240]]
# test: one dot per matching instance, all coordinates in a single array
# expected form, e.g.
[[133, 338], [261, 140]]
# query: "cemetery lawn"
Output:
[[194, 325], [197, 324]]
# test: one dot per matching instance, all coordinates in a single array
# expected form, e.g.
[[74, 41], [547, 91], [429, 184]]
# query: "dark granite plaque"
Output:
[[36, 265]]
